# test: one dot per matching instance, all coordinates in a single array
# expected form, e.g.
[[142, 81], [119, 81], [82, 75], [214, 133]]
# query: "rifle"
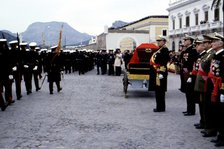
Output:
[[43, 80]]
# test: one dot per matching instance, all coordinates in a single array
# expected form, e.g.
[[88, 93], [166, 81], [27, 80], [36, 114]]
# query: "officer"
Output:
[[188, 59], [104, 59], [34, 64], [196, 86], [159, 62], [6, 76], [54, 66], [15, 59], [127, 58], [98, 61], [111, 59], [200, 85], [215, 87]]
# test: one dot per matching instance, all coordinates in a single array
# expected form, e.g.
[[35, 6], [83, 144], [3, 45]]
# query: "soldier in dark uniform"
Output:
[[215, 87], [34, 63], [159, 62], [127, 58], [98, 62], [15, 61], [6, 76], [189, 57], [54, 65], [104, 62], [196, 86], [111, 59]]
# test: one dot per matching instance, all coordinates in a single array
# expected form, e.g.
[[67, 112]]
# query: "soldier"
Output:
[[104, 62], [34, 64], [15, 60], [196, 86], [188, 59], [98, 62], [111, 59], [159, 62], [200, 85], [127, 58], [6, 76], [215, 87], [54, 66]]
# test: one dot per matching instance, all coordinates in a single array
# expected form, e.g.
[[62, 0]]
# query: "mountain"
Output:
[[7, 35], [49, 32], [118, 24]]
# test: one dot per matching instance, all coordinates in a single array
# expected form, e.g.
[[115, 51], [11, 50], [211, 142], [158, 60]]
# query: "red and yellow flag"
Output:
[[59, 41]]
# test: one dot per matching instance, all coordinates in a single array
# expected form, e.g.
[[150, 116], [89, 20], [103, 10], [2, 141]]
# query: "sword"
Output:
[[43, 80]]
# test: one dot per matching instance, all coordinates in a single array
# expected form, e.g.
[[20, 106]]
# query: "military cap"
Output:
[[3, 40], [217, 36], [54, 47], [160, 37], [199, 39], [207, 38], [33, 44], [13, 42], [37, 48], [23, 44], [186, 37]]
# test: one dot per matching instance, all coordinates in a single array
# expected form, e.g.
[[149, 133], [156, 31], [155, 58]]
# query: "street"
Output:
[[92, 112]]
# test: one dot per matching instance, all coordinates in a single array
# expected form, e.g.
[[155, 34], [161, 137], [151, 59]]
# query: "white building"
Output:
[[193, 17]]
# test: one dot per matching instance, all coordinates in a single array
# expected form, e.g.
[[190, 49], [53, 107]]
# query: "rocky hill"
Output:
[[49, 32], [7, 35]]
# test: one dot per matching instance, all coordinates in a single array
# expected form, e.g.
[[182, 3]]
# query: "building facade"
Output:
[[193, 17], [130, 36]]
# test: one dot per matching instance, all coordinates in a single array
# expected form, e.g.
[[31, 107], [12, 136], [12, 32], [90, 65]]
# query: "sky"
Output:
[[86, 16]]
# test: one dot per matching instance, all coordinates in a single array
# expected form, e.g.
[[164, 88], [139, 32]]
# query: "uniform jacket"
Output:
[[203, 69]]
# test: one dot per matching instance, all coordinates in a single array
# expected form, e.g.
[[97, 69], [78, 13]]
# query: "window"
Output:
[[173, 24], [164, 32], [180, 22], [196, 19], [187, 21], [206, 16], [216, 14]]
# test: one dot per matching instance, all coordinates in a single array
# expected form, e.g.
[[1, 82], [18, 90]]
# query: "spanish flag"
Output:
[[58, 49]]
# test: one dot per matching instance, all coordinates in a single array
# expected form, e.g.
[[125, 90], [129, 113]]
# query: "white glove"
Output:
[[26, 66], [161, 76], [14, 68], [10, 77], [222, 98], [189, 80], [35, 68]]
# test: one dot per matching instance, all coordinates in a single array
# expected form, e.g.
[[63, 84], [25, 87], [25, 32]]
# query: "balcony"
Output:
[[204, 26], [186, 30], [195, 28], [216, 24]]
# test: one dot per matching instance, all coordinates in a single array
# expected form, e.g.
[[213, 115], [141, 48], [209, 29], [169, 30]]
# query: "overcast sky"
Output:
[[86, 16]]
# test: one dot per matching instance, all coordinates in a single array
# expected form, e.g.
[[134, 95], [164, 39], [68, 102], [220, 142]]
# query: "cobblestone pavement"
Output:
[[92, 113]]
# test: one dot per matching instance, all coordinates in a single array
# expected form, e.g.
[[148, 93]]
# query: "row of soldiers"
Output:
[[202, 81], [18, 63]]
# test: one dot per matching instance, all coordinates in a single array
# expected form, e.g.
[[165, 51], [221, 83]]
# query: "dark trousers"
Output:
[[111, 70], [36, 80], [18, 78], [160, 99], [7, 85], [118, 70], [28, 80], [51, 89]]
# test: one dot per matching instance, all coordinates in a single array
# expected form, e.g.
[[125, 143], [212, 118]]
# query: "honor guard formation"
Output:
[[200, 64]]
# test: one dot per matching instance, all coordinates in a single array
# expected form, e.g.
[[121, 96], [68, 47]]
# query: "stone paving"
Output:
[[91, 112]]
